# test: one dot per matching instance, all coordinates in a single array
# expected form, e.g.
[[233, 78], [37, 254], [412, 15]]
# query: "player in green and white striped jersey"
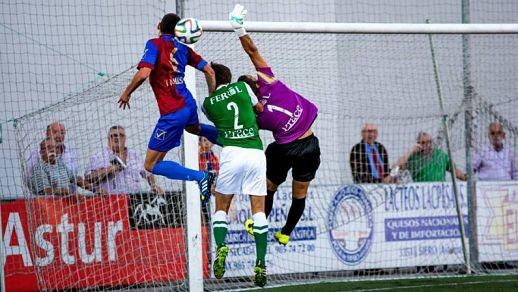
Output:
[[242, 163]]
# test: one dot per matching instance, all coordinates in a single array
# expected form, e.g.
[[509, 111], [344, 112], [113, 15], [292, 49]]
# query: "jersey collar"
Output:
[[222, 85], [167, 37]]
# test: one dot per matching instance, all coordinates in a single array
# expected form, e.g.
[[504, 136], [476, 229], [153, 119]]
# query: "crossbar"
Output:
[[366, 28]]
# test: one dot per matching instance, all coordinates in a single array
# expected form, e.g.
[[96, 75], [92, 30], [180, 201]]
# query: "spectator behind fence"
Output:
[[55, 131], [495, 161], [207, 161], [427, 163], [117, 169], [369, 159], [50, 175]]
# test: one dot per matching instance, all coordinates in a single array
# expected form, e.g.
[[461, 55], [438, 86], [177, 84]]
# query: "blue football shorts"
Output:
[[169, 128]]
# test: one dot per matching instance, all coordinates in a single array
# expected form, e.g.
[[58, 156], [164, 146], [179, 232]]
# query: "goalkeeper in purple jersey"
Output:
[[290, 117]]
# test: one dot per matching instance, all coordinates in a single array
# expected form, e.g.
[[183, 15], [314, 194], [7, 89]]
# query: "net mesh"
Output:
[[80, 59], [131, 237], [409, 226], [72, 71], [382, 80]]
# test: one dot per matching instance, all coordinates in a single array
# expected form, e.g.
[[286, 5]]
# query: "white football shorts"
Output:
[[242, 171]]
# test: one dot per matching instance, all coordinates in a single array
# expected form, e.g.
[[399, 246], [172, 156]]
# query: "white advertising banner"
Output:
[[497, 221], [355, 227]]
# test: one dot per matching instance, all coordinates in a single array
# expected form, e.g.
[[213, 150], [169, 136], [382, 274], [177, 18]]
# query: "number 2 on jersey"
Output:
[[232, 106]]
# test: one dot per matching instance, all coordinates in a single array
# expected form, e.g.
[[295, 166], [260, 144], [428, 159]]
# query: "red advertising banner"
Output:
[[56, 243]]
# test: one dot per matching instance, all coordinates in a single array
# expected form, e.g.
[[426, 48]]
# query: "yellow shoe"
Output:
[[260, 274], [249, 226], [219, 264], [281, 238]]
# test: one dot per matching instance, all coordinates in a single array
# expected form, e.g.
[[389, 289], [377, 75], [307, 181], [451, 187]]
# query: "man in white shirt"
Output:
[[495, 161], [117, 169]]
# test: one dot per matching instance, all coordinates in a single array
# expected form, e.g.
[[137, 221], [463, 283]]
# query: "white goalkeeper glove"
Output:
[[236, 18]]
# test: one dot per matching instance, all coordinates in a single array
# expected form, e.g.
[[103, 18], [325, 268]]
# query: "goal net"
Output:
[[406, 224], [364, 85], [67, 64]]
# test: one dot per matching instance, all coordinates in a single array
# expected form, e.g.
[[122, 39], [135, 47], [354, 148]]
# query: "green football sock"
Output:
[[260, 235], [219, 227]]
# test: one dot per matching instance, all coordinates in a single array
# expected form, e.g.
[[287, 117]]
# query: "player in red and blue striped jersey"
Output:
[[164, 62]]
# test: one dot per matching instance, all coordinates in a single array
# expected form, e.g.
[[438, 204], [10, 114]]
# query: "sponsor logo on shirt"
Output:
[[294, 118], [178, 80], [239, 133], [232, 90], [174, 81]]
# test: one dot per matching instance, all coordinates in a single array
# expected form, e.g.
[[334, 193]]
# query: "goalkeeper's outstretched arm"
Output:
[[252, 51], [236, 18]]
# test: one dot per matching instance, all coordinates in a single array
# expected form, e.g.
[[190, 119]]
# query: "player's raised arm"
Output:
[[252, 51], [210, 78], [139, 78], [145, 66], [199, 63], [236, 18]]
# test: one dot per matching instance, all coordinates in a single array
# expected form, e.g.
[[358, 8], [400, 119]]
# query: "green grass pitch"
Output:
[[465, 284]]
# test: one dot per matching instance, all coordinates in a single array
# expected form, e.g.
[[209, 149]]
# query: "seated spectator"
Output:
[[50, 175], [207, 161], [426, 163], [495, 161], [117, 169], [55, 131], [369, 159]]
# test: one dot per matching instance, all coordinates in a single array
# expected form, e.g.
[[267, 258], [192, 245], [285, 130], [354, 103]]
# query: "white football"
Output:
[[188, 30]]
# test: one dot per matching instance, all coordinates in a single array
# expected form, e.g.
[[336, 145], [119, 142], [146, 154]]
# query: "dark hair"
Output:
[[222, 72], [243, 78], [252, 83], [168, 23]]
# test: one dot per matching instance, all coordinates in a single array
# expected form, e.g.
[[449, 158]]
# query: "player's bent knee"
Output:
[[299, 189], [152, 158], [223, 201], [149, 166], [271, 186], [150, 163], [257, 203], [193, 129]]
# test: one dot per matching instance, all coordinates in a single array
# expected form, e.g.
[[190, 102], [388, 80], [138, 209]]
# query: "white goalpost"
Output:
[[271, 36], [366, 28]]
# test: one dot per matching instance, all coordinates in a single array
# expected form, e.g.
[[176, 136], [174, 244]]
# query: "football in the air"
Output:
[[188, 30]]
